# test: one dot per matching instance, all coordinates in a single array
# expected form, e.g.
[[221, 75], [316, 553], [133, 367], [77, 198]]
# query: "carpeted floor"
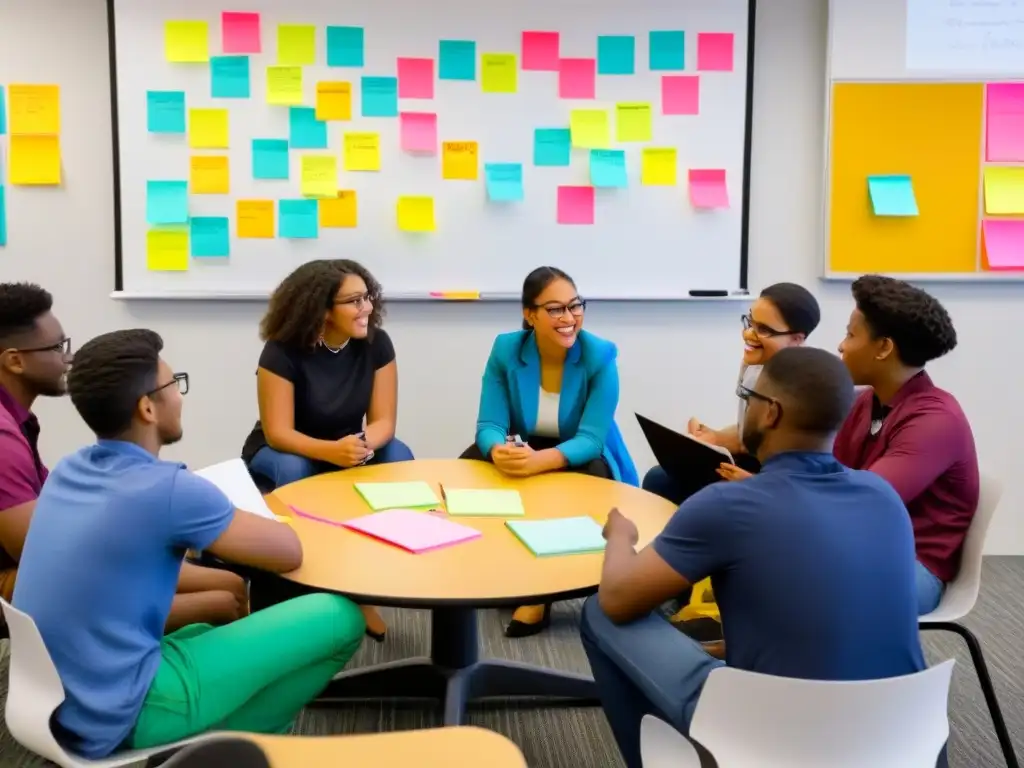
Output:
[[574, 738]]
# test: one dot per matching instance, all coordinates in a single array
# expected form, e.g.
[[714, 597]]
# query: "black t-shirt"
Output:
[[332, 389]]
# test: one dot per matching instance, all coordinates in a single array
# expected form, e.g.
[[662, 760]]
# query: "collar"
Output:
[[19, 413], [917, 383], [818, 462], [126, 448], [528, 352]]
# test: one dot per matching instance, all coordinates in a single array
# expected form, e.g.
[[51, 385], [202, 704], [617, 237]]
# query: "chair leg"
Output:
[[994, 710]]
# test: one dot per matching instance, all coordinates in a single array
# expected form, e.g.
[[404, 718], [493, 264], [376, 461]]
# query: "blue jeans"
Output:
[[646, 667], [283, 468], [929, 590], [659, 482]]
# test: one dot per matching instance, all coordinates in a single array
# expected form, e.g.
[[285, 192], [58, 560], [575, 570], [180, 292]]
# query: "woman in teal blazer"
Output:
[[548, 401]]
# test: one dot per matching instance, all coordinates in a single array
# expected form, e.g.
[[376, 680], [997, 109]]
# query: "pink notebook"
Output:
[[413, 531]]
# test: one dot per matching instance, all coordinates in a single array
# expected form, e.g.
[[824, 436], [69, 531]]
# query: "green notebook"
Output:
[[416, 495], [472, 502], [561, 536]]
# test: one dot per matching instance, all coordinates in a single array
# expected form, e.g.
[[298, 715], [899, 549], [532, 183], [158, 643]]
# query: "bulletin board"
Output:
[[925, 147], [449, 146]]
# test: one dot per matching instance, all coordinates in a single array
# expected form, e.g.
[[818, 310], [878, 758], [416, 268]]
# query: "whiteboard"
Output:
[[646, 242]]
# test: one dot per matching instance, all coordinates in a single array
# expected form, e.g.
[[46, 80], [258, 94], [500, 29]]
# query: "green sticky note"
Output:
[[229, 77], [892, 195], [3, 216], [379, 96], [608, 167], [415, 495], [616, 55], [552, 146], [667, 50], [298, 219], [560, 536], [305, 131], [270, 158], [345, 46], [208, 236], [504, 182], [165, 111], [457, 60], [472, 502], [166, 202]]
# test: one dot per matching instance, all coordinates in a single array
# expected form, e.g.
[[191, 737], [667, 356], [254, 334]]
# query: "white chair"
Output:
[[748, 720], [959, 598]]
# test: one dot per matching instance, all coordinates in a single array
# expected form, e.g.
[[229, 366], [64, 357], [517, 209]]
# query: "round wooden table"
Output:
[[453, 582]]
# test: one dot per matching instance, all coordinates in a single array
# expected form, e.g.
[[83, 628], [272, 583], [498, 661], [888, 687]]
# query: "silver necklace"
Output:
[[329, 348]]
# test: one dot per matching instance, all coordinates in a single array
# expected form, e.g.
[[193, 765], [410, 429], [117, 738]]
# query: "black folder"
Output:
[[687, 460]]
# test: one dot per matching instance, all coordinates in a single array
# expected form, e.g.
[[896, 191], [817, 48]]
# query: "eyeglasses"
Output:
[[575, 308], [747, 394], [356, 301], [765, 331], [63, 347], [181, 379]]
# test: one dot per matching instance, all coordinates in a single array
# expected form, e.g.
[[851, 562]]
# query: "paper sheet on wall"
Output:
[[616, 55], [284, 85], [319, 176], [3, 111], [345, 46], [166, 202], [255, 218], [229, 77], [659, 167], [187, 42], [715, 51], [240, 32], [3, 216], [416, 213], [708, 188], [680, 94], [460, 160], [633, 121], [456, 60], [1004, 190], [362, 151], [298, 219], [34, 160], [498, 73], [167, 250], [418, 132], [209, 175], [552, 146], [208, 128], [608, 168], [334, 101], [379, 96], [575, 205], [577, 78], [34, 109], [1004, 122], [415, 78], [504, 182], [209, 236], [666, 50], [964, 37], [589, 128], [540, 51], [1004, 243], [270, 158], [892, 195], [341, 211], [296, 44], [165, 111], [305, 131]]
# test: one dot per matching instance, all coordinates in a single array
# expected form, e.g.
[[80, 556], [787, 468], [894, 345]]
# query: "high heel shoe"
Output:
[[519, 628]]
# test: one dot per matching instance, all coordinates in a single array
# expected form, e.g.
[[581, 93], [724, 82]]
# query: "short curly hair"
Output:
[[295, 316], [21, 304], [919, 326]]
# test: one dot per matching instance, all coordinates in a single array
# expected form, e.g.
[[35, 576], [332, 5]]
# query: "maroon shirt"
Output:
[[925, 449]]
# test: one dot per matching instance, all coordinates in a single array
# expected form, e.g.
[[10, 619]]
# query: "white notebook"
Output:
[[233, 478]]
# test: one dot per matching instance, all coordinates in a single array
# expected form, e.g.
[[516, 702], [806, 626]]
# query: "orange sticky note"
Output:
[[35, 160], [339, 212], [34, 109], [208, 175], [460, 160], [334, 101], [255, 218]]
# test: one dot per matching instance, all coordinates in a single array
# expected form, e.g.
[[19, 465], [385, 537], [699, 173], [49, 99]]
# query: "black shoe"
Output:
[[703, 630], [518, 628], [237, 753], [378, 636]]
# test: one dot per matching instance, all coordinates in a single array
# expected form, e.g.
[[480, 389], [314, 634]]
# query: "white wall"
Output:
[[676, 360]]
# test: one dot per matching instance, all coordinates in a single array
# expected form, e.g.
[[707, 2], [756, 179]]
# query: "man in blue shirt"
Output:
[[100, 567], [839, 539]]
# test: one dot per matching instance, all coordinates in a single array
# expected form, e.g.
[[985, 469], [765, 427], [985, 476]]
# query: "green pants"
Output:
[[255, 674]]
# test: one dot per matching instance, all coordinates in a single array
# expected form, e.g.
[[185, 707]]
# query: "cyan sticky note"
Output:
[[229, 77], [298, 219], [345, 46], [608, 167], [892, 195], [504, 181], [3, 217], [166, 202], [3, 111], [616, 55], [165, 111], [552, 146], [304, 130], [667, 50], [379, 96], [457, 60], [208, 236], [269, 159]]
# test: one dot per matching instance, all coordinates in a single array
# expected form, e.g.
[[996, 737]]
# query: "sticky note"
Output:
[[270, 158], [3, 216], [1004, 190], [459, 160], [504, 181], [498, 73], [575, 205], [167, 250], [284, 85], [479, 502], [255, 218], [559, 536], [616, 55], [658, 167], [229, 77], [240, 32], [379, 96], [362, 151], [209, 175], [540, 51], [208, 128], [666, 50], [345, 46], [166, 202], [415, 78], [35, 109], [319, 176], [340, 211], [418, 131], [892, 195], [456, 60], [714, 51], [416, 214], [209, 237], [608, 167], [680, 94], [34, 160], [334, 101], [552, 146], [165, 111], [304, 130], [298, 219], [1004, 123], [577, 78], [589, 128], [633, 121], [187, 41], [708, 188], [3, 111], [296, 44], [1004, 243]]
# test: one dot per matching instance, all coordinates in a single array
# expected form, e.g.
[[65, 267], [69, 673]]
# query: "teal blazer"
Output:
[[586, 410]]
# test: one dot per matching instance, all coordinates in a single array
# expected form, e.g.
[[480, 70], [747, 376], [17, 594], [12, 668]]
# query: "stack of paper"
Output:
[[471, 502], [416, 495], [233, 478], [411, 530], [561, 536]]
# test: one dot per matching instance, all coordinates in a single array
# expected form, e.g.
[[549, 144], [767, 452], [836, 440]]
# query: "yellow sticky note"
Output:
[[167, 250], [334, 101], [340, 211], [416, 214], [208, 128], [319, 176], [362, 151], [34, 160], [296, 44], [633, 121], [34, 109], [498, 73], [459, 160], [284, 85], [255, 218], [208, 175], [589, 128], [187, 41], [1004, 189], [658, 167]]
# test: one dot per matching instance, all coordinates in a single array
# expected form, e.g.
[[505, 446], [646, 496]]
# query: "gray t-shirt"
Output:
[[748, 378]]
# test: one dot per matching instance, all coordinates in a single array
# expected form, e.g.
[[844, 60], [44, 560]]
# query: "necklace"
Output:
[[329, 348]]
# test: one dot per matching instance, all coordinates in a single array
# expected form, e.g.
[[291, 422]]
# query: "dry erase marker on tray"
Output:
[[456, 295]]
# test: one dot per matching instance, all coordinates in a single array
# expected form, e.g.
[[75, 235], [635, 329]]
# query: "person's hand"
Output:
[[732, 472], [350, 451], [620, 526], [701, 431], [512, 460]]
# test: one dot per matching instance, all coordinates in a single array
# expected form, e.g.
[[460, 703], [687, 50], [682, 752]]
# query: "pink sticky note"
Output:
[[540, 51], [419, 131], [1004, 243], [1004, 126], [412, 531], [240, 32], [708, 189], [577, 78], [680, 94], [575, 205], [714, 51], [415, 78]]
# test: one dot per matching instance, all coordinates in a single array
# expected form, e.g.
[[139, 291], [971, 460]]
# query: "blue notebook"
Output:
[[561, 536]]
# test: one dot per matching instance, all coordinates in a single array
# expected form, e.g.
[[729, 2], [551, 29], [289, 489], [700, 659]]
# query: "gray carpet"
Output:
[[574, 738]]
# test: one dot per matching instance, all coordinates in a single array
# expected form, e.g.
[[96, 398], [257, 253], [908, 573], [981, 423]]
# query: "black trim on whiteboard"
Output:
[[116, 140], [747, 148]]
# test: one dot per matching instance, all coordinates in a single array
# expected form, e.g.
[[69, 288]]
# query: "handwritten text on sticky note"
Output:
[[209, 175], [459, 160], [255, 218], [362, 151]]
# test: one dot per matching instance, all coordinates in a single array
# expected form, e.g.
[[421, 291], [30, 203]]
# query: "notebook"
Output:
[[411, 530], [416, 495], [686, 459], [233, 478], [473, 502], [561, 536]]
